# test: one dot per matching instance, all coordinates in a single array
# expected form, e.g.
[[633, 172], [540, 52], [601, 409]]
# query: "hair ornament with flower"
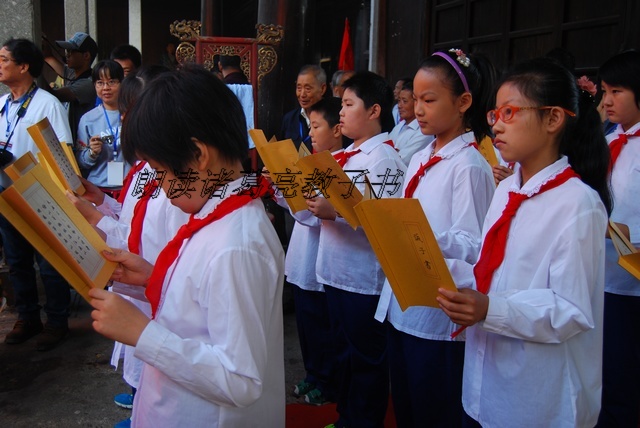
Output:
[[587, 87], [461, 57]]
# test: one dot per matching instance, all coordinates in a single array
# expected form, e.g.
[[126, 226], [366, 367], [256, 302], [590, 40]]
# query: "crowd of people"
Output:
[[536, 333]]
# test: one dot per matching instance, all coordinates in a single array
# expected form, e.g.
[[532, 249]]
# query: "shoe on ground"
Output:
[[23, 330], [50, 337], [302, 388], [123, 424], [315, 397], [124, 400]]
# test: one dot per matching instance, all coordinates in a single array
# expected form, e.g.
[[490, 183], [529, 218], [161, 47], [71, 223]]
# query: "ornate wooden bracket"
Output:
[[258, 56]]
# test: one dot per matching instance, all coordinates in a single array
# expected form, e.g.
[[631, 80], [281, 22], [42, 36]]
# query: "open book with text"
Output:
[[41, 212]]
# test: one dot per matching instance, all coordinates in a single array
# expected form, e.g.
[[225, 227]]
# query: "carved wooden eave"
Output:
[[267, 36]]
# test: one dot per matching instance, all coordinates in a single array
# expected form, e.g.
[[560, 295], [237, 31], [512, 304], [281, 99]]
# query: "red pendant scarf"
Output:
[[170, 253], [343, 157], [495, 242], [615, 147]]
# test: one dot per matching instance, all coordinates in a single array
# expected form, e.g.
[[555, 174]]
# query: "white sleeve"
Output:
[[472, 193], [229, 368], [556, 313]]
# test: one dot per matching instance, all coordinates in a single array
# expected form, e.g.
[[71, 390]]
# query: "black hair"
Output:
[[26, 52], [623, 70], [127, 52], [132, 85], [547, 83], [177, 107], [480, 75], [330, 108], [232, 61], [407, 85], [107, 65], [373, 89]]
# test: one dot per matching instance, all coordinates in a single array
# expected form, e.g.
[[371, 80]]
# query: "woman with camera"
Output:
[[99, 155]]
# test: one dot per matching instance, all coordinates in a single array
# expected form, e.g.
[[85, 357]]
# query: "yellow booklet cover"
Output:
[[407, 250], [21, 166], [39, 209], [56, 156], [629, 257], [280, 159], [486, 149], [328, 178]]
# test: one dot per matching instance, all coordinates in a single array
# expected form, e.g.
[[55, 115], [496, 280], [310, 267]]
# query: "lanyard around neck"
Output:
[[114, 135], [25, 101]]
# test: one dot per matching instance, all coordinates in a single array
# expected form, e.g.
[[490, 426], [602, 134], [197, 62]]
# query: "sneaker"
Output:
[[315, 397], [302, 388], [50, 337], [22, 331], [124, 400], [123, 424]]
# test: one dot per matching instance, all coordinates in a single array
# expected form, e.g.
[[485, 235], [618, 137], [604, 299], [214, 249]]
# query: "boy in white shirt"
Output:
[[213, 350], [347, 265]]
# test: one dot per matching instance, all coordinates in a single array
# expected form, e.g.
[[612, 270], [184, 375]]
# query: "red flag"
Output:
[[346, 50]]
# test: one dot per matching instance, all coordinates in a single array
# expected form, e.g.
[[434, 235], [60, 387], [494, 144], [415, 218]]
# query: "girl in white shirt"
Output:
[[620, 83], [533, 353], [451, 92]]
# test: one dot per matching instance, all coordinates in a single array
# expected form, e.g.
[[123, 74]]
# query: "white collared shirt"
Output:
[[214, 353], [536, 360], [455, 195], [409, 139], [345, 257], [625, 188], [42, 105]]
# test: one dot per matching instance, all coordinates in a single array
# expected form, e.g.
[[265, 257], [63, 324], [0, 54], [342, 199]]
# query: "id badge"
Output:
[[115, 173]]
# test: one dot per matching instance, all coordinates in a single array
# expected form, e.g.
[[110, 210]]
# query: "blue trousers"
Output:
[[19, 255], [364, 391], [621, 362], [426, 380], [317, 340]]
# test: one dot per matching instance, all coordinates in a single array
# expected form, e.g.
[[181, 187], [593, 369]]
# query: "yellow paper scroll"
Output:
[[39, 209], [407, 250]]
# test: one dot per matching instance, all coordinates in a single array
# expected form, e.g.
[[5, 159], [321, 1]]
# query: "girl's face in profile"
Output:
[[620, 105], [517, 138]]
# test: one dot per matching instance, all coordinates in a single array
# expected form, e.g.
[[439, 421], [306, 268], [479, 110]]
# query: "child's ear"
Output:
[[375, 111], [554, 119], [202, 154], [336, 131], [465, 101]]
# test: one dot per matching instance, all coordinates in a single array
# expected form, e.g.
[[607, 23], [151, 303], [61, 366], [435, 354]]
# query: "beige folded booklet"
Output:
[[406, 248], [58, 158], [323, 173], [280, 159], [629, 257]]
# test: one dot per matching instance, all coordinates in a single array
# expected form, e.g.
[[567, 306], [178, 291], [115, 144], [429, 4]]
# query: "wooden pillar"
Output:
[[272, 88], [211, 17]]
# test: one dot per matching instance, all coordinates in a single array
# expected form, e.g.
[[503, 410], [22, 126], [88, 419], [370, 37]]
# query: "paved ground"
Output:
[[73, 385]]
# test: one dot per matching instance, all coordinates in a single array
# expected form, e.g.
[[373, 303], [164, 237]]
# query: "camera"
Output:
[[5, 157], [107, 139]]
